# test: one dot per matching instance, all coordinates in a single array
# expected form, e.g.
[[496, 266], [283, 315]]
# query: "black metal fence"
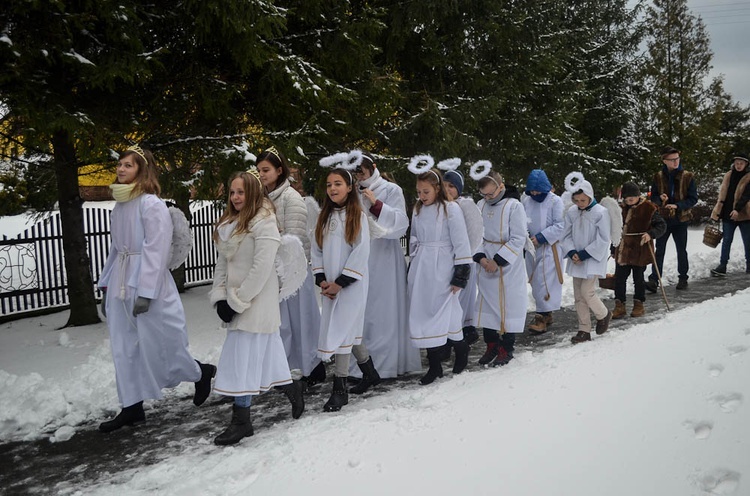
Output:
[[32, 267]]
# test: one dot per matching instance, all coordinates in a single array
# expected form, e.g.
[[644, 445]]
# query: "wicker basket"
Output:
[[607, 282], [712, 235]]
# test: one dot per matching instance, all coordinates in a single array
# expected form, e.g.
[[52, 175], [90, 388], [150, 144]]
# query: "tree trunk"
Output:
[[80, 284]]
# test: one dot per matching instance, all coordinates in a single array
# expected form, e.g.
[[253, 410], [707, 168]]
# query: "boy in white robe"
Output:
[[503, 300], [586, 244], [544, 211]]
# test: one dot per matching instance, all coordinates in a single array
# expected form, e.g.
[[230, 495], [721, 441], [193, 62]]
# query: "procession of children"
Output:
[[468, 268]]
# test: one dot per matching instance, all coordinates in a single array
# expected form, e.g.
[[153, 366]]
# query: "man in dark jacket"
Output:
[[675, 193], [733, 210]]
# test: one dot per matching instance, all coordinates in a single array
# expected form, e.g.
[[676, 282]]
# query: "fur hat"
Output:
[[741, 156], [538, 181], [630, 189], [456, 179]]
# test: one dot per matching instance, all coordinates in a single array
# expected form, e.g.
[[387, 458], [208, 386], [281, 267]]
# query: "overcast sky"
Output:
[[728, 25]]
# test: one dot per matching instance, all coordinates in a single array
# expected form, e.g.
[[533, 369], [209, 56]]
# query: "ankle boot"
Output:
[[339, 396], [436, 368], [130, 415], [619, 311], [471, 335], [462, 356], [489, 354], [370, 377], [638, 310], [239, 427], [203, 386], [294, 391], [317, 376]]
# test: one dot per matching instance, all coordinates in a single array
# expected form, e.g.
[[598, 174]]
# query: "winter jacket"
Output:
[[291, 213], [245, 276], [588, 234], [741, 196], [641, 218], [679, 186]]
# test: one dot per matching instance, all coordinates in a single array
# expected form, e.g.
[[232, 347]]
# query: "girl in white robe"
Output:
[[300, 313], [439, 270], [340, 252], [586, 241], [503, 300], [145, 317], [245, 294], [544, 211], [454, 186], [386, 332]]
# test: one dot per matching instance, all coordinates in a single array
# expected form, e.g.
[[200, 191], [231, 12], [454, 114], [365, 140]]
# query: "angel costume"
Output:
[[150, 350], [385, 329]]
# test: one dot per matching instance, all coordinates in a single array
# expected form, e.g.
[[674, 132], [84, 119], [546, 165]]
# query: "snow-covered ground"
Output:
[[656, 409]]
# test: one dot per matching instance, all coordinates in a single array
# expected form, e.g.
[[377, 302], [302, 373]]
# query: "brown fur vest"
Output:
[[745, 213], [682, 181], [636, 220]]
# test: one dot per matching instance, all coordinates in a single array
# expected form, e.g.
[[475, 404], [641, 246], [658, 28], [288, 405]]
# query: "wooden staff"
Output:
[[658, 275]]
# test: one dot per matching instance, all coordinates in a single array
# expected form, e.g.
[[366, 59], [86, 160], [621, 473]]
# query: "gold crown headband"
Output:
[[137, 149], [253, 171], [275, 152]]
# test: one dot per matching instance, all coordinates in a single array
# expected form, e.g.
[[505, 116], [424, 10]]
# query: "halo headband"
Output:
[[449, 164], [420, 164], [437, 176], [273, 151], [480, 169], [347, 161], [137, 149], [253, 171]]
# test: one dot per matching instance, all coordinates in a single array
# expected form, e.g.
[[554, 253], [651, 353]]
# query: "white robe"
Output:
[[342, 319], [545, 218], [587, 230], [503, 299], [473, 218], [150, 351], [437, 243], [386, 332]]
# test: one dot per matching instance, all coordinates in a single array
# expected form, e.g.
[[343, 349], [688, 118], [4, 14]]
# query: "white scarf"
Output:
[[367, 183]]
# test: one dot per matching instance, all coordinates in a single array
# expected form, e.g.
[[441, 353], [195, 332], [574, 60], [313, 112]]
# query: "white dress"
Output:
[[342, 319], [300, 313], [475, 230], [386, 333], [545, 217], [587, 230], [150, 351], [252, 360], [437, 243], [503, 299]]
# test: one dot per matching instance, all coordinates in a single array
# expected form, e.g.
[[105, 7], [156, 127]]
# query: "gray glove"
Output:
[[104, 302], [141, 305]]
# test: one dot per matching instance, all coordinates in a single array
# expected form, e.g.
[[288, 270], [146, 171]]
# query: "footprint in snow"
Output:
[[702, 430], [720, 482], [736, 350], [728, 403], [715, 369]]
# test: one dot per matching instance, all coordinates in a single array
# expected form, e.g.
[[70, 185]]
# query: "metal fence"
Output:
[[32, 265]]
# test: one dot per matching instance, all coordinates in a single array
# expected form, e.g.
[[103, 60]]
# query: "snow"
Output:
[[654, 409]]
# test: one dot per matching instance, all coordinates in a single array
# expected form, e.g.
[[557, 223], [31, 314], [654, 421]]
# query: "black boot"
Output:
[[130, 415], [239, 427], [339, 396], [436, 368], [470, 335], [294, 391], [445, 351], [203, 386], [462, 356], [317, 376], [370, 377]]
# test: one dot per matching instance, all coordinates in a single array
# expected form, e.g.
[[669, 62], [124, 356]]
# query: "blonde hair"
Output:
[[147, 178], [353, 212], [256, 202]]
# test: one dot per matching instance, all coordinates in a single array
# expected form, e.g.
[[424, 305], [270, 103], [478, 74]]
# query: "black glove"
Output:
[[224, 311], [141, 305], [461, 275], [104, 302]]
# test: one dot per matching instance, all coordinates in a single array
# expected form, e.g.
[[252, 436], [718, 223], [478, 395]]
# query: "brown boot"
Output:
[[539, 326], [619, 311], [603, 325], [581, 337], [638, 310]]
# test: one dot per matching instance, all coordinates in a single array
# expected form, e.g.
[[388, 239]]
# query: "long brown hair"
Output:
[[353, 212], [436, 180], [256, 202], [147, 178]]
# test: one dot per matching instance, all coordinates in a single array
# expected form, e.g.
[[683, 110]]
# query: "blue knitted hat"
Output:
[[456, 179]]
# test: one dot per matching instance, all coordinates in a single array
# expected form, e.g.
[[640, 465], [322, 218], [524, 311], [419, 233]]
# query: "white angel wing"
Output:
[[182, 238], [474, 224], [291, 266], [615, 217]]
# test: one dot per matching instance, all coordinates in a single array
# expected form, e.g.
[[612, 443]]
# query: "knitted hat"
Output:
[[538, 181], [741, 156], [630, 189], [456, 179]]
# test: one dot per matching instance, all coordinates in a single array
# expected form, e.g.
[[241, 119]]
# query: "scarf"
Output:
[[123, 192], [367, 183]]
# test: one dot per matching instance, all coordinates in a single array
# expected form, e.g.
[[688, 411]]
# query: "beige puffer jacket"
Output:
[[291, 213]]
